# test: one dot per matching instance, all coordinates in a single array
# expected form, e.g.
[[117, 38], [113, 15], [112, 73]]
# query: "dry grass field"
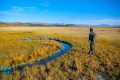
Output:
[[20, 45]]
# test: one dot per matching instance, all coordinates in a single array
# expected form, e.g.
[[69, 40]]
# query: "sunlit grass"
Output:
[[19, 47], [106, 60]]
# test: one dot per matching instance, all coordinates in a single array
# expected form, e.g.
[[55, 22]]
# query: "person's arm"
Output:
[[94, 37], [89, 40], [89, 37]]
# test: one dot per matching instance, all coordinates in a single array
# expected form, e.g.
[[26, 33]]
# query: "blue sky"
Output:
[[61, 11]]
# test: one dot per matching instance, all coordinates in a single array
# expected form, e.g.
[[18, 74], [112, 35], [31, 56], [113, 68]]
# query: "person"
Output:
[[92, 41]]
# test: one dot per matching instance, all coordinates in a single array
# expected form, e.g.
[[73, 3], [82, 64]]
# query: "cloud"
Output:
[[27, 12], [108, 21], [15, 10], [17, 13]]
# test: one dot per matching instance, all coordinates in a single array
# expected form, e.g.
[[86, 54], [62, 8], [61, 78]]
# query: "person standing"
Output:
[[92, 41]]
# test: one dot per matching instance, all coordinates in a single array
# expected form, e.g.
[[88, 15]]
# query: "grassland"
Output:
[[76, 65], [21, 47]]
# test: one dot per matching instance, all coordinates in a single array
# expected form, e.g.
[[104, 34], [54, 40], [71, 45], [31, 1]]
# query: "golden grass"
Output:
[[106, 59], [22, 47]]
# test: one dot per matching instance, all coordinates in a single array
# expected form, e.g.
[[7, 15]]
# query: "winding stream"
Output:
[[66, 47]]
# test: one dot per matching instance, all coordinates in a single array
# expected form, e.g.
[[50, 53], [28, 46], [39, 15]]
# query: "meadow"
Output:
[[19, 45]]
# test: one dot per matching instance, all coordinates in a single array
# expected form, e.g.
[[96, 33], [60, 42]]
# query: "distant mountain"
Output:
[[104, 25], [56, 24], [38, 24], [107, 25]]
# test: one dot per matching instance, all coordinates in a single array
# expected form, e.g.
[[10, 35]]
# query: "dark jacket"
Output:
[[92, 36]]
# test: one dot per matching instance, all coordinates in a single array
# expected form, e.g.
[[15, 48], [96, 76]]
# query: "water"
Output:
[[66, 47]]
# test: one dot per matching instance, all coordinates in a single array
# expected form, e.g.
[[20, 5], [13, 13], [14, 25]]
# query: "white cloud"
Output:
[[15, 10], [108, 21]]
